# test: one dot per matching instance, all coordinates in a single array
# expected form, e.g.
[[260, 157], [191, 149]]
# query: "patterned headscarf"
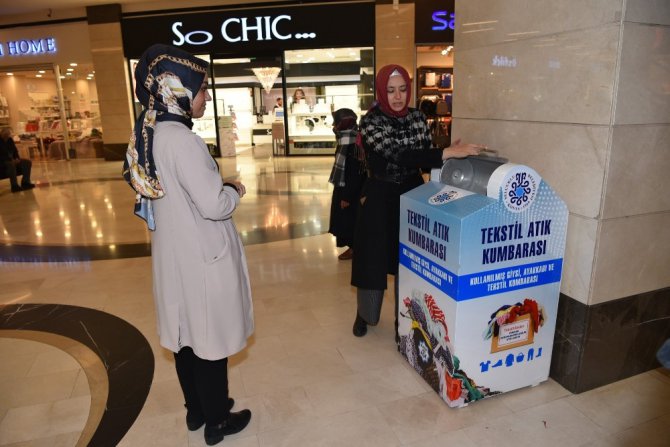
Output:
[[167, 81], [381, 83]]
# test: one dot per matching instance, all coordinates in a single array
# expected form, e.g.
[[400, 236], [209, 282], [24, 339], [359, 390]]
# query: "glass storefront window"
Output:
[[318, 82], [249, 102], [283, 102], [38, 112]]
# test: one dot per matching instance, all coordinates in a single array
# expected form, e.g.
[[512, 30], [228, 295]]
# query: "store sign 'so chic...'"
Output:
[[240, 30]]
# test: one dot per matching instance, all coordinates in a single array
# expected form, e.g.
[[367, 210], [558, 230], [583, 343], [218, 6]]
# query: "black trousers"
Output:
[[23, 168], [204, 384]]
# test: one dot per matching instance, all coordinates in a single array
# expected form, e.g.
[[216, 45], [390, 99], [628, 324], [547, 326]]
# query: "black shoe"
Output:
[[360, 326], [16, 188], [195, 421], [235, 423], [27, 186]]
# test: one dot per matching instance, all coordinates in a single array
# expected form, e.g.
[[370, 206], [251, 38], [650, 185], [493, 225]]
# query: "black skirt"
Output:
[[376, 233]]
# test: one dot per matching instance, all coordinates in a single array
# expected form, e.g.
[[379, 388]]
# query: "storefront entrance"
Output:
[[286, 100], [277, 73], [38, 102]]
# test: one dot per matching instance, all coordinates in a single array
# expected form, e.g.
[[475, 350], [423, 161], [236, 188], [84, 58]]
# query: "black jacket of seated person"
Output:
[[12, 165]]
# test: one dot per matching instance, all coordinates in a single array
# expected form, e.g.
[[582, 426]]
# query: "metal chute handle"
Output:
[[488, 152]]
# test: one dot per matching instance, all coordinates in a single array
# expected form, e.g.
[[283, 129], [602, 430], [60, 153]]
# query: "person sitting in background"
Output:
[[347, 177], [14, 165], [280, 103]]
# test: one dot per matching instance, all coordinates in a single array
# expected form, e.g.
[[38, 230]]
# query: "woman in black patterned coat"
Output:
[[397, 145]]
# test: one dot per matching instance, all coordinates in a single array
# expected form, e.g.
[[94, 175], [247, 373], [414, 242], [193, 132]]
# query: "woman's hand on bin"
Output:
[[461, 150]]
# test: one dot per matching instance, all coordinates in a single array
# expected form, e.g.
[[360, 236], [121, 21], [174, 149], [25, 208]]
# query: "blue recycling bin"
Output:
[[481, 256]]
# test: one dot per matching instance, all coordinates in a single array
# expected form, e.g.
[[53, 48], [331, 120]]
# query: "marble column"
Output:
[[394, 35], [111, 74], [580, 91]]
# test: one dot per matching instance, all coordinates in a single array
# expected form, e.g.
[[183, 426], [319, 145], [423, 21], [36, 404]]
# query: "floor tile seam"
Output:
[[283, 387], [48, 437], [143, 249], [323, 420], [657, 377], [603, 429]]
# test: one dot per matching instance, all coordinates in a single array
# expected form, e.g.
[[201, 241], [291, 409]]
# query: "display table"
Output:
[[278, 135], [313, 144], [261, 133], [56, 150]]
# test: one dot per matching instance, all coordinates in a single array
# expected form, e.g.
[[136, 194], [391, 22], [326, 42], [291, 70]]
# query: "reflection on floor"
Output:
[[74, 241]]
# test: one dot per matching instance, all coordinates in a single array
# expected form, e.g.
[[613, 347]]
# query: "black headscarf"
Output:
[[167, 80]]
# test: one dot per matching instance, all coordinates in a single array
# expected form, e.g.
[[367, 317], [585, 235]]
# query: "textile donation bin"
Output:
[[481, 255]]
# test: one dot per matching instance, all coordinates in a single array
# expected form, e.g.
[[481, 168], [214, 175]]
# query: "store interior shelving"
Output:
[[434, 98]]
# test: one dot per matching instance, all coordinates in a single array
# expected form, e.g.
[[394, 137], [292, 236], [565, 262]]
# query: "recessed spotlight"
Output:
[[38, 75], [41, 71], [73, 64], [70, 69], [68, 74]]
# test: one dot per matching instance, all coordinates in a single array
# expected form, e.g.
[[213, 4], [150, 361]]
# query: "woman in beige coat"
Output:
[[201, 284]]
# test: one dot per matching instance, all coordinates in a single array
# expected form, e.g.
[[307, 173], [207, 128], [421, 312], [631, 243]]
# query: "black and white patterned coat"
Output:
[[395, 150]]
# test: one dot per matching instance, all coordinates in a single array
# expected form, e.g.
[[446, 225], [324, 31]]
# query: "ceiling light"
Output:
[[10, 74], [266, 76], [447, 50], [73, 64], [42, 71], [38, 75], [70, 69]]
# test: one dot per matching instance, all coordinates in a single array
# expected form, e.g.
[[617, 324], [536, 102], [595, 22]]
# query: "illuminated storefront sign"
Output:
[[238, 29], [443, 20], [434, 21], [265, 29], [23, 47]]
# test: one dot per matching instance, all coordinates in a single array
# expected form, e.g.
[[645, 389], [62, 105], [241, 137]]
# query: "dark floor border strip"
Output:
[[28, 253], [595, 345], [263, 192], [125, 353]]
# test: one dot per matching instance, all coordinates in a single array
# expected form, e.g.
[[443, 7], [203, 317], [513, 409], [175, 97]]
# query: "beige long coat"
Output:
[[201, 283]]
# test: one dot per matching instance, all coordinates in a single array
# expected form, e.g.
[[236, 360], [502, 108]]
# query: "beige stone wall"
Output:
[[578, 91], [112, 82], [394, 36]]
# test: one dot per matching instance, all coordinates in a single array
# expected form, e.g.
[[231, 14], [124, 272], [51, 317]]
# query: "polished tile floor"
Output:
[[74, 241]]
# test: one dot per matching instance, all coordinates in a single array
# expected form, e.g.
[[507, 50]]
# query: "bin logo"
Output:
[[447, 195], [520, 189]]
